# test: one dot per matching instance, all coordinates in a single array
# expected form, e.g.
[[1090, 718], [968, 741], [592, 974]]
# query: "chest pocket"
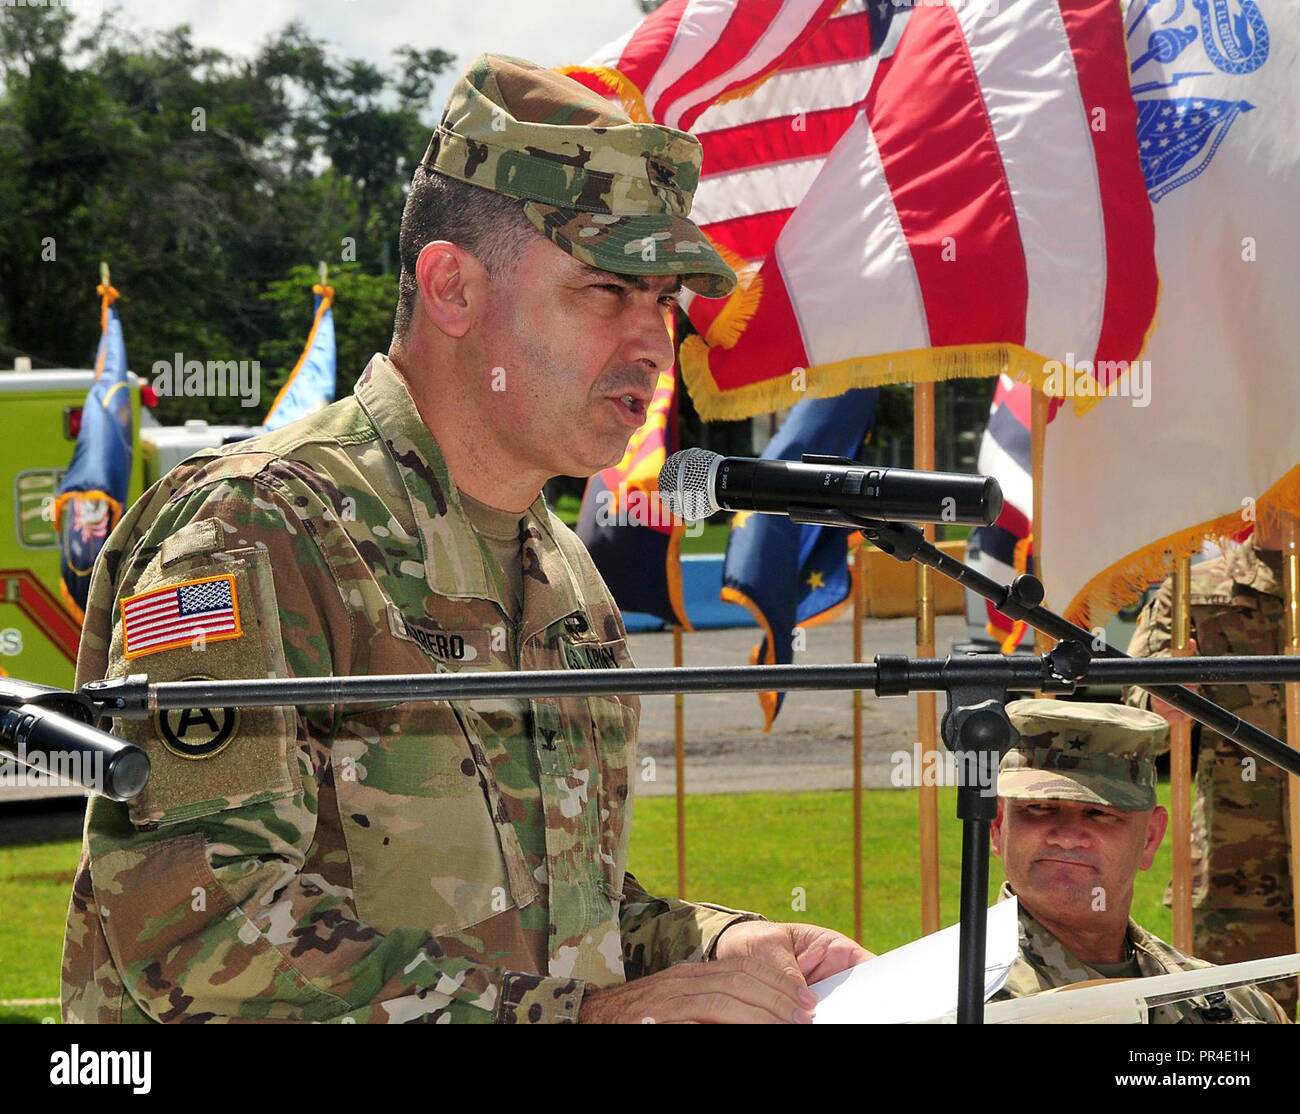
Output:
[[427, 832], [613, 726]]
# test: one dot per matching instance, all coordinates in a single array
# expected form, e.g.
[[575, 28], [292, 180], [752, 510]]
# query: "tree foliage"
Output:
[[210, 183]]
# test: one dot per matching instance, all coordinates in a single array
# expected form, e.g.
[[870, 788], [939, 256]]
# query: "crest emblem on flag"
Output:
[[1178, 136]]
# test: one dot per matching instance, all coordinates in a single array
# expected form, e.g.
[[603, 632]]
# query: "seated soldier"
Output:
[[1077, 819]]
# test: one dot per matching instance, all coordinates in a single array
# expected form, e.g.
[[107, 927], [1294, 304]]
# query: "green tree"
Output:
[[205, 180]]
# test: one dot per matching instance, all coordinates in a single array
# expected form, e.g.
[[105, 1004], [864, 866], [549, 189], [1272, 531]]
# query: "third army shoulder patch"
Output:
[[196, 732]]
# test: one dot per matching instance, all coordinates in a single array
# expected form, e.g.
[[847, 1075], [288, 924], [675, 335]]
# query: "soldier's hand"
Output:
[[808, 951], [1172, 714], [748, 990]]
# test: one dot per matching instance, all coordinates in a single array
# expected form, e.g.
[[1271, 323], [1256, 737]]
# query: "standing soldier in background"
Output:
[[1241, 882]]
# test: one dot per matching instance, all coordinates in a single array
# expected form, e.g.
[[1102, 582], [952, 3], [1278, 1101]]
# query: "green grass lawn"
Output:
[[35, 883], [749, 850]]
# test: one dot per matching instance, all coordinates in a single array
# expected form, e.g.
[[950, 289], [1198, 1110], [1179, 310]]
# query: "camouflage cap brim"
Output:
[[649, 244], [1085, 786]]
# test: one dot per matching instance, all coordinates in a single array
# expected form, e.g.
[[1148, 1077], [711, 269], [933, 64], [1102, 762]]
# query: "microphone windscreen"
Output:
[[685, 484]]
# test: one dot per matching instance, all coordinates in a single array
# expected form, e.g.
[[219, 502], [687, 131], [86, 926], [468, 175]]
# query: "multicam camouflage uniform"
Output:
[[421, 861], [391, 863], [1242, 906], [1102, 754], [1044, 963]]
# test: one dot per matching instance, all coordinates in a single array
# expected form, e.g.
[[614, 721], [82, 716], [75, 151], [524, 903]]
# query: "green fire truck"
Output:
[[40, 414]]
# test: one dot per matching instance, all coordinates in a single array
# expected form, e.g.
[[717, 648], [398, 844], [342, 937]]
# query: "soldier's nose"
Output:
[[1065, 834]]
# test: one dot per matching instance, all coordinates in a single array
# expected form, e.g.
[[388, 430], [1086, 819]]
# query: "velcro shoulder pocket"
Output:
[[202, 612]]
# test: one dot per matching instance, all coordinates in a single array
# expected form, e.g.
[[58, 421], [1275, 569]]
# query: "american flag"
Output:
[[910, 191], [178, 614], [1005, 549]]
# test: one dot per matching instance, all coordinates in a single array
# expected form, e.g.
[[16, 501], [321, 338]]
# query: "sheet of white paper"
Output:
[[917, 982], [1126, 1000]]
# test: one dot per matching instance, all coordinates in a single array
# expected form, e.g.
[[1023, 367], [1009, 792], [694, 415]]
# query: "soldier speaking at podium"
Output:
[[424, 861]]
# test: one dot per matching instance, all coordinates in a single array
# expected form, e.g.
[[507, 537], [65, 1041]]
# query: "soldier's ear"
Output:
[[451, 281], [995, 829], [1157, 822]]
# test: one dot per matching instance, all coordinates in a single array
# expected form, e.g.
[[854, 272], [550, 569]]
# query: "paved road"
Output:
[[811, 743]]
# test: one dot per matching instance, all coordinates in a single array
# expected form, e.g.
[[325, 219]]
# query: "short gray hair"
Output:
[[492, 226]]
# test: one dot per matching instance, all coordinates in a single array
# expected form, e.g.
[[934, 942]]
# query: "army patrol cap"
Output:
[[612, 193], [1101, 754]]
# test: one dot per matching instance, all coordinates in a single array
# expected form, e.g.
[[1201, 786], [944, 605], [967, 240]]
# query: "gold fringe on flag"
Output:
[[624, 88], [741, 304], [917, 365], [1123, 582], [920, 365]]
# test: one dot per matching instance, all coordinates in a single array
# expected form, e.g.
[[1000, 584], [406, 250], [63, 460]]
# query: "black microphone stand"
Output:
[[975, 726]]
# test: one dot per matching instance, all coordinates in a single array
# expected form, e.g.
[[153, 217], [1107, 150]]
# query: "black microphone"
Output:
[[696, 483], [54, 733]]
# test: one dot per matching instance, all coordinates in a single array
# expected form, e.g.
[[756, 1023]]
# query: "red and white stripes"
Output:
[[923, 191]]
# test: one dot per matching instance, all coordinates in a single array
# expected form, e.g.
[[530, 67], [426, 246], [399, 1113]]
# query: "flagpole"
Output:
[[673, 440], [1291, 602], [105, 300], [1180, 770], [679, 758], [1038, 443], [859, 591], [926, 702]]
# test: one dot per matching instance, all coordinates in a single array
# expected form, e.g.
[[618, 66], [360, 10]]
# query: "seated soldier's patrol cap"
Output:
[[612, 193], [1102, 754]]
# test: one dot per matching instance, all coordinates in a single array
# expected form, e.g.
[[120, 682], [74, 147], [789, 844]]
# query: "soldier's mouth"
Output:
[[631, 408]]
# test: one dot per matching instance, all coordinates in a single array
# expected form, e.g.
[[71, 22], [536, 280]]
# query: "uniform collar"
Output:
[[457, 562], [1039, 940]]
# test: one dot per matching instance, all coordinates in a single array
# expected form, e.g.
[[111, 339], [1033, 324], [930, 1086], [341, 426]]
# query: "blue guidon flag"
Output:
[[787, 575], [94, 489], [313, 381]]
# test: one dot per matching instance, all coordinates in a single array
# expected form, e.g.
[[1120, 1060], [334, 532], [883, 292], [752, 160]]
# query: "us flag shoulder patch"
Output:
[[177, 615]]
